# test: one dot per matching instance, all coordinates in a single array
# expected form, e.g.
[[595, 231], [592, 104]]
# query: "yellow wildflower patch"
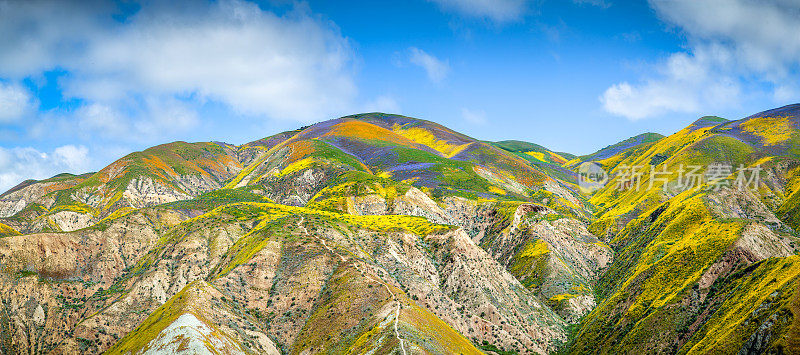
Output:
[[537, 155], [772, 130], [6, 231], [496, 190], [424, 137]]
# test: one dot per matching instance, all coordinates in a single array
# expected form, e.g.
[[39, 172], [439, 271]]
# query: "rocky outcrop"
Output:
[[68, 221], [145, 192], [413, 203], [51, 282], [416, 203]]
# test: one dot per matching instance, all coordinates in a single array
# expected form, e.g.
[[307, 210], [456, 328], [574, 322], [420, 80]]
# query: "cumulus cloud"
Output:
[[18, 164], [685, 84], [15, 102], [727, 50], [763, 35], [499, 11], [152, 121], [436, 68], [98, 117], [293, 66]]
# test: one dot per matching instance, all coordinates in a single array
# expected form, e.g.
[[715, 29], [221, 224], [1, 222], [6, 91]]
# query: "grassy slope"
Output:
[[765, 293], [550, 162], [535, 151], [194, 299], [690, 146], [668, 243], [659, 263], [662, 252], [58, 182]]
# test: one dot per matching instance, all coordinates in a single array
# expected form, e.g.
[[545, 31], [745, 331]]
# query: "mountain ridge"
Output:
[[386, 233]]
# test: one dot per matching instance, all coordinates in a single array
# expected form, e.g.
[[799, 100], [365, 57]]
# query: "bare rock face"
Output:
[[416, 203], [11, 206], [573, 259], [69, 221], [758, 240], [413, 203], [736, 203], [383, 234], [557, 257], [199, 320], [477, 220], [299, 187], [145, 192], [167, 173]]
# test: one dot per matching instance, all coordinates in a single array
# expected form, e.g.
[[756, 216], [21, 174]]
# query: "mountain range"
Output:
[[380, 233]]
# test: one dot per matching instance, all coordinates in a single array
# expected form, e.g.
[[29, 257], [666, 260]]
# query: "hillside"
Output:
[[380, 233], [549, 161], [687, 260], [612, 155], [279, 235]]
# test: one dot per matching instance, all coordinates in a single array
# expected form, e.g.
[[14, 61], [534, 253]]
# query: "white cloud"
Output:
[[732, 44], [73, 158], [499, 11], [763, 35], [15, 102], [165, 116], [294, 66], [19, 164], [474, 117], [436, 69], [685, 84], [152, 120], [97, 117]]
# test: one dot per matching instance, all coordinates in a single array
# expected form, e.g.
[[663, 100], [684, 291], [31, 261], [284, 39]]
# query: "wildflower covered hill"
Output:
[[550, 162], [290, 168], [370, 232], [693, 245], [420, 153], [389, 234]]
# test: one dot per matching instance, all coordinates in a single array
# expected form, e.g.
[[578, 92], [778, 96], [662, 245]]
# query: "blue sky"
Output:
[[83, 83]]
